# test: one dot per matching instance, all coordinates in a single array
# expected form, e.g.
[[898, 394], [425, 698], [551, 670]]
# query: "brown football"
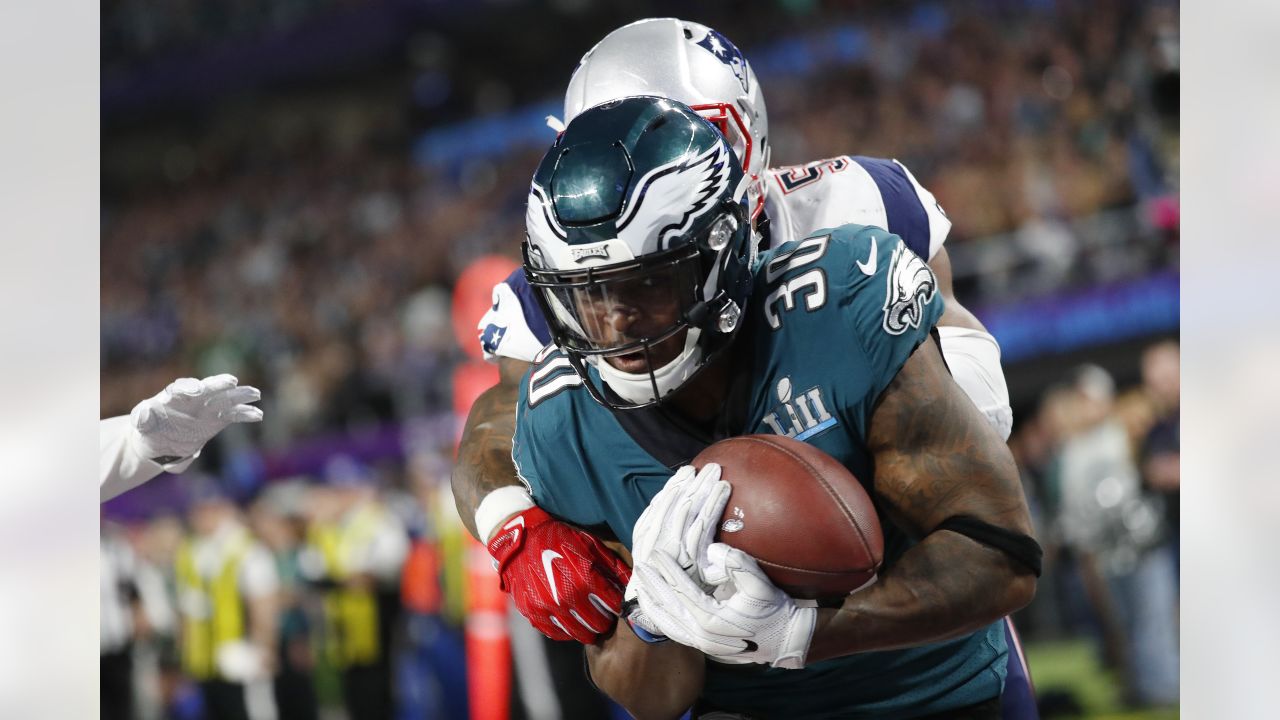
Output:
[[801, 514]]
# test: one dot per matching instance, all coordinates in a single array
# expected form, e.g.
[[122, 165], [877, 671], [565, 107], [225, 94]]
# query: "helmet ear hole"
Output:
[[654, 124], [721, 232], [727, 320]]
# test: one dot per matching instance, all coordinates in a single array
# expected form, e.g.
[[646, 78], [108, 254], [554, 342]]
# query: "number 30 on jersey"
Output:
[[808, 287]]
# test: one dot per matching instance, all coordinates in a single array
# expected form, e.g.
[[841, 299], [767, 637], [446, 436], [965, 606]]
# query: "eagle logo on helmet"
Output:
[[909, 285], [727, 53], [665, 202]]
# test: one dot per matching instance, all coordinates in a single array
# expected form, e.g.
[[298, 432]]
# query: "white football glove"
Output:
[[744, 619], [681, 519], [179, 420], [681, 522]]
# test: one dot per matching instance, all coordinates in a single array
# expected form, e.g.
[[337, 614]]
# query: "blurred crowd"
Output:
[[297, 245], [347, 591], [294, 241], [1008, 117], [326, 279], [134, 31], [1101, 472], [317, 596]]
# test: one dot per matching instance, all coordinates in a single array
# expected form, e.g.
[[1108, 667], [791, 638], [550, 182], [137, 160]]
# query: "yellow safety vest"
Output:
[[351, 615], [213, 613]]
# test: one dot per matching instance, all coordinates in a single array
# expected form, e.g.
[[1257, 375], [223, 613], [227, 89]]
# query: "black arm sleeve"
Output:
[[1022, 548]]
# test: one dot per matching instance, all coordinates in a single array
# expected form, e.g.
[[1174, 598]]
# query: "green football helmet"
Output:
[[638, 246]]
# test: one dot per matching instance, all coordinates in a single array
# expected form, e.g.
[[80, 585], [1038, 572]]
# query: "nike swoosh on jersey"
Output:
[[548, 557], [869, 267]]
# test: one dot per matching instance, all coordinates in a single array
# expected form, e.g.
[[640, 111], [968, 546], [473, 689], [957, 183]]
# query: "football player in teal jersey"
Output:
[[700, 67], [669, 335]]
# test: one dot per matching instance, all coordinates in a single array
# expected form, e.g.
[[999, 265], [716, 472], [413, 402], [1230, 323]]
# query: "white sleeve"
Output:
[[504, 331], [973, 356], [120, 466]]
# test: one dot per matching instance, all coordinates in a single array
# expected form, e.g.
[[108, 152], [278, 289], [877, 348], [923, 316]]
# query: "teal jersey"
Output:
[[831, 320]]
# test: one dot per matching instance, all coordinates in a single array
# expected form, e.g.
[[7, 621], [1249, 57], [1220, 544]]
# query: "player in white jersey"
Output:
[[700, 67]]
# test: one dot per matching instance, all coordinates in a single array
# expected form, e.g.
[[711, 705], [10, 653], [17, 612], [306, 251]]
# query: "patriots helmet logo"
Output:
[[491, 338], [727, 53], [909, 285]]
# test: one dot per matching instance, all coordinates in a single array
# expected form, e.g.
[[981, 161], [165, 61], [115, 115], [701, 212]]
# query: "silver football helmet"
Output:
[[687, 62]]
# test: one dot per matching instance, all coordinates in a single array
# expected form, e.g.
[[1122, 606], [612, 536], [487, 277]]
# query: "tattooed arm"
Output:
[[484, 454], [935, 457], [582, 599]]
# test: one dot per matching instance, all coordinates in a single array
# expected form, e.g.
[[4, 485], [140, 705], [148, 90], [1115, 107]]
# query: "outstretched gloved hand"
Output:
[[174, 424]]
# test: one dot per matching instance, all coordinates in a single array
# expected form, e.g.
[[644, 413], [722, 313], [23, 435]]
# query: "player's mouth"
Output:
[[632, 362], [657, 355]]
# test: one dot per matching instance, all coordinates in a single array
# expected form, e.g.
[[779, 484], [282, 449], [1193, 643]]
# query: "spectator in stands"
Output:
[[424, 675], [227, 589], [1117, 530], [276, 517], [1161, 467], [355, 551], [157, 663], [120, 619]]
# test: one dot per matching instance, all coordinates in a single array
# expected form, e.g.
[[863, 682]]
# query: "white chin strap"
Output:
[[638, 388]]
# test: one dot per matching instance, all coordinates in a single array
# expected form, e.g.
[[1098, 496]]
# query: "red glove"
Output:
[[566, 582]]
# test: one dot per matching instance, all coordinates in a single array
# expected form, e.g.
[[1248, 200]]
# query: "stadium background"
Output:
[[292, 191]]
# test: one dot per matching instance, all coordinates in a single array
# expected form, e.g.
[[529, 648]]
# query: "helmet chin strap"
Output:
[[639, 387]]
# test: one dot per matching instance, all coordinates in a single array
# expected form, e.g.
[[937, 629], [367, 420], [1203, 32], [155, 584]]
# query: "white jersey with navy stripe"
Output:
[[802, 198], [859, 190]]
